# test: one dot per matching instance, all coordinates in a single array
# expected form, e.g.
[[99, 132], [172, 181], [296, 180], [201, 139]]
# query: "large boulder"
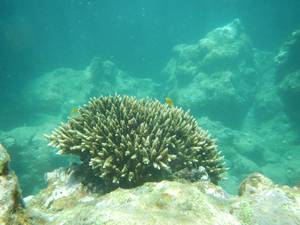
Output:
[[288, 75], [107, 79], [215, 77], [263, 202], [59, 91], [288, 58], [11, 209], [289, 90], [65, 200], [260, 202], [53, 91], [4, 161]]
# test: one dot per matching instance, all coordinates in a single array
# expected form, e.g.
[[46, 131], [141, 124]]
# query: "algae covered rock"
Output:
[[127, 141], [288, 75], [215, 77], [165, 202], [11, 209], [67, 201], [288, 58], [4, 161], [60, 90], [289, 90], [57, 89], [263, 202], [108, 78]]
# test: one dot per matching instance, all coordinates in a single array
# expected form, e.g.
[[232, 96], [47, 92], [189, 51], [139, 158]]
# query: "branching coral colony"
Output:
[[127, 141]]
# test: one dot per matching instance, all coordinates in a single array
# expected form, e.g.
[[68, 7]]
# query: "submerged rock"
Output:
[[11, 210], [262, 202], [215, 77], [67, 201], [165, 202], [288, 75], [59, 91], [4, 161], [289, 90], [288, 58]]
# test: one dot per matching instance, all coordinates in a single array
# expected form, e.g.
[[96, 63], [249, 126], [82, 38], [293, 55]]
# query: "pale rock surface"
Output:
[[10, 195], [65, 201], [263, 202], [4, 160], [165, 202], [63, 89], [215, 77]]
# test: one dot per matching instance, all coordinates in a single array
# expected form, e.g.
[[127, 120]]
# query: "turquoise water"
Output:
[[230, 81]]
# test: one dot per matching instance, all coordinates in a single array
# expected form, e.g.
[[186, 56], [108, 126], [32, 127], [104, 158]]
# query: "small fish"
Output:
[[74, 110], [169, 102]]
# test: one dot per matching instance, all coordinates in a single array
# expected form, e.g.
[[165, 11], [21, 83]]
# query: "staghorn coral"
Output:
[[127, 141]]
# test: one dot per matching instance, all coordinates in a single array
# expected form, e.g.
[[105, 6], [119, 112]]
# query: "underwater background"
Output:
[[234, 64]]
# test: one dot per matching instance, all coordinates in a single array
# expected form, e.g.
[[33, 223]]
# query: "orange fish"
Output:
[[169, 102], [74, 110]]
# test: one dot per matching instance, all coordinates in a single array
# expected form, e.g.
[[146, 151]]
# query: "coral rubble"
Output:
[[127, 141]]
